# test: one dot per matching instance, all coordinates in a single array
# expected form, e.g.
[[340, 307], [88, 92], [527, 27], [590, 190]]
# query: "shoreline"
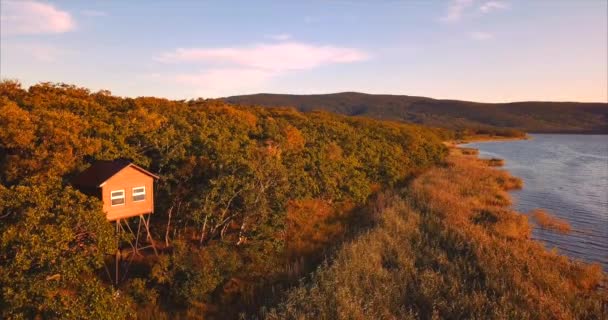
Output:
[[481, 139], [497, 164], [450, 224], [476, 139], [554, 224]]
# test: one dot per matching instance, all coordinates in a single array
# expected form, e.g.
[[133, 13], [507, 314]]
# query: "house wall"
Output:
[[127, 179]]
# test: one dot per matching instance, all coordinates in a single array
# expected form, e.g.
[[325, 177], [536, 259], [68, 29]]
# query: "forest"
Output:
[[265, 213], [465, 117], [248, 201]]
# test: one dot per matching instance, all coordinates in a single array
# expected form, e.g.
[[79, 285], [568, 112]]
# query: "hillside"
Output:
[[547, 117], [247, 201], [250, 201], [448, 247]]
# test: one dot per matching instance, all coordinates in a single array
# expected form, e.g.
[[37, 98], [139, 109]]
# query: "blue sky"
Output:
[[477, 50]]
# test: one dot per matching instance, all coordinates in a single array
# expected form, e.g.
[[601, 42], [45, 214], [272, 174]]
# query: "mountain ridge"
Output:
[[405, 95], [530, 116]]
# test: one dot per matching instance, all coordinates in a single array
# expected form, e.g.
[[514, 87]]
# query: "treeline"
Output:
[[247, 201], [449, 247], [504, 119]]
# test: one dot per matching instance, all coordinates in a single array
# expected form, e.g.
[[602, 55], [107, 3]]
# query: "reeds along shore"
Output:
[[449, 246], [488, 138], [545, 220]]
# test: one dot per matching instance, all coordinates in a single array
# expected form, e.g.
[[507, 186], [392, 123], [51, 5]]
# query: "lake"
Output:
[[568, 176]]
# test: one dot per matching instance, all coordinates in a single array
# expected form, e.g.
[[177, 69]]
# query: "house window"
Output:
[[117, 197], [139, 194]]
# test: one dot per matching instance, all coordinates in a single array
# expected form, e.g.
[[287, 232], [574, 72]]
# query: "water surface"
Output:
[[568, 176]]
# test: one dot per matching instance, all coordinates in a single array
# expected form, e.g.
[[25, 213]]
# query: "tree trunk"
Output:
[[168, 226], [242, 232], [204, 230], [224, 230]]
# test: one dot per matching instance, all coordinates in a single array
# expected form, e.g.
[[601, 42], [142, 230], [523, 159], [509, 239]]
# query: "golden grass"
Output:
[[469, 151], [494, 162], [486, 138], [449, 246], [546, 221]]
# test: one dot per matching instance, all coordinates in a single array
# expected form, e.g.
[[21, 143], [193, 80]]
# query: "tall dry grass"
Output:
[[449, 247], [547, 221]]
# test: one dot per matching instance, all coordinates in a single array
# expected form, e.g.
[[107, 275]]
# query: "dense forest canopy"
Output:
[[250, 202], [498, 118], [246, 196]]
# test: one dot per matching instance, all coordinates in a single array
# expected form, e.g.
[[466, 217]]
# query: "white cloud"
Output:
[[480, 35], [231, 69], [279, 37], [456, 9], [93, 13], [31, 17], [223, 81], [492, 6], [276, 57]]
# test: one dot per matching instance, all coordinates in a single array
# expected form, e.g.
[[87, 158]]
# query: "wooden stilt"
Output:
[[146, 223], [117, 262], [135, 244], [138, 233]]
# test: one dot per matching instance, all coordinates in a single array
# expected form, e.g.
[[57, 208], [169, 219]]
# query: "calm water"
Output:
[[568, 176]]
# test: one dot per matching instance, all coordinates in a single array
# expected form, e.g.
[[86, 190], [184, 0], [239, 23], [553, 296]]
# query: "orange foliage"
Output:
[[375, 187], [18, 130], [142, 120], [334, 152], [294, 138], [43, 141], [244, 116], [311, 225]]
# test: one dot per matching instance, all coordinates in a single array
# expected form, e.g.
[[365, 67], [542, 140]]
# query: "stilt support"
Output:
[[130, 243]]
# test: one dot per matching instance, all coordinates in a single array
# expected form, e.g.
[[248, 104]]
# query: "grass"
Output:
[[495, 162], [546, 221], [448, 246], [469, 151], [489, 137]]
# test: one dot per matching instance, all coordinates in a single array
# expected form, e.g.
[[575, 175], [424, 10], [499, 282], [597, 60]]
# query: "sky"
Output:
[[478, 50]]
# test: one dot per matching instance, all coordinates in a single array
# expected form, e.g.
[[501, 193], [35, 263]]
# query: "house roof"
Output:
[[102, 170]]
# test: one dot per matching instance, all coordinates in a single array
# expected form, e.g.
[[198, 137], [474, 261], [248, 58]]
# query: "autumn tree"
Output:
[[54, 239]]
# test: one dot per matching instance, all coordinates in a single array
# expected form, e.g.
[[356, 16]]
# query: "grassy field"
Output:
[[449, 246]]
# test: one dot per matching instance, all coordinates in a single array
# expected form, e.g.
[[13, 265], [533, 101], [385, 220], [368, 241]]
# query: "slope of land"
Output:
[[448, 247], [564, 117], [250, 201], [247, 201]]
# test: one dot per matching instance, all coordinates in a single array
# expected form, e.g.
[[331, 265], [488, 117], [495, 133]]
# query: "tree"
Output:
[[53, 240]]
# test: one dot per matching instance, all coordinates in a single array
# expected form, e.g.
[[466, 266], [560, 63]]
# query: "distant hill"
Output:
[[547, 117]]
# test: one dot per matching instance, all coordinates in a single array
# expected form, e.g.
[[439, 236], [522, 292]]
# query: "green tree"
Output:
[[53, 240]]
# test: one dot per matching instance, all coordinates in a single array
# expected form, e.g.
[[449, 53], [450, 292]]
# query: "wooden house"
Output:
[[125, 189]]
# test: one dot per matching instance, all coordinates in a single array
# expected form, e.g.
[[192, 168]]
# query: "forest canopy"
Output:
[[245, 195], [266, 213]]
